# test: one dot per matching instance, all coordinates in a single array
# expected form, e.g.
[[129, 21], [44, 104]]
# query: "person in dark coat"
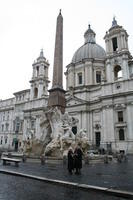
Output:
[[78, 153], [70, 160]]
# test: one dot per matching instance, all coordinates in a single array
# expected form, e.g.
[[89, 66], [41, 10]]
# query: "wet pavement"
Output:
[[113, 175], [18, 188]]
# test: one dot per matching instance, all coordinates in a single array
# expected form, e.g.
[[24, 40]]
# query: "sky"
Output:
[[27, 26]]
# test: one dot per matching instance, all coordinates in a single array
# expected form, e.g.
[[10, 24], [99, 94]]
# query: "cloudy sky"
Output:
[[27, 26]]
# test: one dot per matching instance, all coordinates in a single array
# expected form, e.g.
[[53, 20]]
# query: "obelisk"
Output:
[[57, 93]]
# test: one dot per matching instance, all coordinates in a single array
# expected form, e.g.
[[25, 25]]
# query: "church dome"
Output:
[[90, 49]]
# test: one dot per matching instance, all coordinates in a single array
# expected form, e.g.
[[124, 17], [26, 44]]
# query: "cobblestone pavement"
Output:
[[18, 188], [113, 175]]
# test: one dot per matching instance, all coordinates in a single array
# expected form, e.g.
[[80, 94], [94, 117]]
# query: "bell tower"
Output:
[[39, 81], [116, 40]]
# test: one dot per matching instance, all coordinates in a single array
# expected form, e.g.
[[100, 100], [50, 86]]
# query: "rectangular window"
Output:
[[7, 126], [13, 125], [3, 118], [5, 140], [121, 134], [2, 127], [32, 124], [120, 116], [17, 127], [80, 78], [21, 126], [98, 77], [114, 42], [37, 70], [1, 140]]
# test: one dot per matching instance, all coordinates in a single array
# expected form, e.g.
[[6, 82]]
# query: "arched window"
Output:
[[121, 134], [35, 92], [117, 72]]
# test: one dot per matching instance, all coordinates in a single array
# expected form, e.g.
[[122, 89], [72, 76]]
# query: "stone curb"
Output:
[[86, 187]]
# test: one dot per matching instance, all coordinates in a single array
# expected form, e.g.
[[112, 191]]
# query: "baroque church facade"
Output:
[[99, 93]]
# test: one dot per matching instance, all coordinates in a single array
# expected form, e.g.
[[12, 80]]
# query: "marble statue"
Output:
[[82, 138], [61, 134]]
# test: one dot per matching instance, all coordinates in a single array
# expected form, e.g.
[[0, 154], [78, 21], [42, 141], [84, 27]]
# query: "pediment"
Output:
[[72, 100]]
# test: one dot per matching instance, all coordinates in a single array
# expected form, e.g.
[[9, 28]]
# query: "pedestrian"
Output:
[[119, 158], [42, 158], [78, 153], [70, 160]]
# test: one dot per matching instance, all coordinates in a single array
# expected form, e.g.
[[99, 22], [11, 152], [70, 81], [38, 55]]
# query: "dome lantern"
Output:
[[89, 35]]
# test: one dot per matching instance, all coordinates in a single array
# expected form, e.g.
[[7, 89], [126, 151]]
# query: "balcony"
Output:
[[120, 124]]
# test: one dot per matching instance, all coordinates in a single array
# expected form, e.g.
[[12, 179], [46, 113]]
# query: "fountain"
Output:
[[56, 125]]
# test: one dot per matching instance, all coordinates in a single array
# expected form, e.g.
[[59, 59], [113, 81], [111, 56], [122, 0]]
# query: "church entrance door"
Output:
[[97, 139], [16, 145]]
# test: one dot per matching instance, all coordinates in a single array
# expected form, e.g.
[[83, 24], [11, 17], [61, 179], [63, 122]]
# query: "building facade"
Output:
[[99, 93], [20, 116], [100, 90]]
